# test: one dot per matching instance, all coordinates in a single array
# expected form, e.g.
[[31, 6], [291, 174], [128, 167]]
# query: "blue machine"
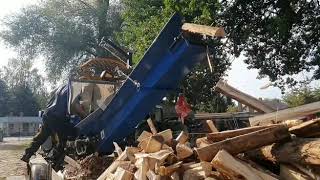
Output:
[[169, 59]]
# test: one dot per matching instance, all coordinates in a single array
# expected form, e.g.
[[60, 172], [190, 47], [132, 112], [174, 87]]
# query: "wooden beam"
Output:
[[242, 97], [220, 136], [307, 129], [282, 115], [202, 29], [245, 142], [236, 169], [300, 151]]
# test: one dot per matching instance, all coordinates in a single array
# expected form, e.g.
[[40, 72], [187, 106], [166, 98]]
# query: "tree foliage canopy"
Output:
[[64, 32]]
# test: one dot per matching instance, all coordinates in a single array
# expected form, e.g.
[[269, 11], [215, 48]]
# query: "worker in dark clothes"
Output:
[[55, 120]]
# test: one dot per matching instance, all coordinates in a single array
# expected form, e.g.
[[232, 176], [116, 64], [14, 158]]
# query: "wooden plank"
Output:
[[202, 29], [211, 126], [236, 169], [288, 172], [307, 129], [282, 115], [242, 97], [300, 151], [220, 136], [245, 142]]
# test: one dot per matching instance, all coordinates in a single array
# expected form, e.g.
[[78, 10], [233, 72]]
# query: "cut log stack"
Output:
[[249, 153]]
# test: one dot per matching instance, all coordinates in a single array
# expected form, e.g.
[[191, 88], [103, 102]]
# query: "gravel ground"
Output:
[[11, 150]]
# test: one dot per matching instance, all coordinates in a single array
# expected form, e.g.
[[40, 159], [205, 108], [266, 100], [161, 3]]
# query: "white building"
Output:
[[20, 125]]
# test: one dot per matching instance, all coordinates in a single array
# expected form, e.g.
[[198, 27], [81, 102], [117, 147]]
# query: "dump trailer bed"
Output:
[[169, 59]]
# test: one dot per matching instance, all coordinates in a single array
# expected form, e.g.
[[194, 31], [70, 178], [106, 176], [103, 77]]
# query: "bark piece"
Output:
[[245, 142]]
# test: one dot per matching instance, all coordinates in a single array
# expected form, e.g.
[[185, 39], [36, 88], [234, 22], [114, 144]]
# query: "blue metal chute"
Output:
[[169, 59]]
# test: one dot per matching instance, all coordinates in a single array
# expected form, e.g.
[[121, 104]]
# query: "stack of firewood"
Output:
[[233, 154]]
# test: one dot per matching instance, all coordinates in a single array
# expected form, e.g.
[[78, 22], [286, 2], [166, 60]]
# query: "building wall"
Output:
[[20, 126]]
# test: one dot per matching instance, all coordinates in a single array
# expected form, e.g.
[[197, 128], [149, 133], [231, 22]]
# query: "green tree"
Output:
[[64, 32], [280, 38], [4, 98], [302, 95], [19, 73], [23, 100]]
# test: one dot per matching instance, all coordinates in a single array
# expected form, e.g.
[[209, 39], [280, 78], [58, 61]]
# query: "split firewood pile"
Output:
[[289, 150]]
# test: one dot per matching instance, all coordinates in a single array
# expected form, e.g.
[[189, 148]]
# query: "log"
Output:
[[236, 169], [245, 142], [219, 136], [282, 115], [211, 126], [182, 137], [300, 151], [242, 97], [204, 30], [309, 128], [183, 151], [143, 167], [288, 172], [151, 126]]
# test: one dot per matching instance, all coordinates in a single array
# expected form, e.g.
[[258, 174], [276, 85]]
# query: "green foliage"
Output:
[[4, 98], [143, 21], [302, 95], [280, 38], [24, 84], [65, 32]]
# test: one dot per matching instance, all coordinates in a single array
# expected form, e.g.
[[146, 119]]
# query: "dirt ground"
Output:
[[11, 150]]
